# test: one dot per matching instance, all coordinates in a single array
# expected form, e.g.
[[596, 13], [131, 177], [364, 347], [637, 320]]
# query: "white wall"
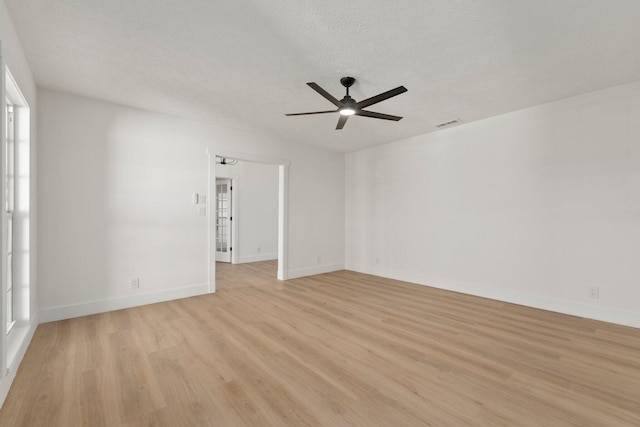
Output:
[[531, 207], [256, 217], [115, 203], [12, 348]]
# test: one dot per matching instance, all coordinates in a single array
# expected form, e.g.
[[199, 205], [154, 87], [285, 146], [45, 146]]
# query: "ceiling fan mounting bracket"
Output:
[[347, 81]]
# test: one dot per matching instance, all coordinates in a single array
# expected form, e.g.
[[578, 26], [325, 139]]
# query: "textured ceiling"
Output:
[[244, 64]]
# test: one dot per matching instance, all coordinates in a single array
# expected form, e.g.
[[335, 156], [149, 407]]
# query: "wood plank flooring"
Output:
[[338, 349]]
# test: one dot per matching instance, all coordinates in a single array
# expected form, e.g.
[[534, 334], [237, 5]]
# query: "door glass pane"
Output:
[[222, 217]]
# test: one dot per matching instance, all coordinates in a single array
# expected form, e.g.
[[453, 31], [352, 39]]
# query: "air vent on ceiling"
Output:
[[449, 123]]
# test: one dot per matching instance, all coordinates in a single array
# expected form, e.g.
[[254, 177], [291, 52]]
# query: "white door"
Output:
[[223, 220]]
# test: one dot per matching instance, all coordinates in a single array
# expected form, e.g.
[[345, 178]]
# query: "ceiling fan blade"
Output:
[[324, 93], [385, 95], [313, 112], [377, 115], [341, 121]]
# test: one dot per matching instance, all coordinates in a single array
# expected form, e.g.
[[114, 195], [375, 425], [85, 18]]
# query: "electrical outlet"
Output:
[[319, 259], [594, 292], [259, 249], [135, 283]]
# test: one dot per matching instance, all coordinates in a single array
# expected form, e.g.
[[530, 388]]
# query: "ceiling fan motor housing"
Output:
[[348, 102]]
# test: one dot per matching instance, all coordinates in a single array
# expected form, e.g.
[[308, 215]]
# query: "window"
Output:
[[15, 236], [9, 187]]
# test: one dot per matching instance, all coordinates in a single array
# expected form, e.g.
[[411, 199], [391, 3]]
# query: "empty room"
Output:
[[320, 213]]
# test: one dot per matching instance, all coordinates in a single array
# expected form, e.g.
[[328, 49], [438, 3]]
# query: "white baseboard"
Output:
[[5, 386], [595, 312], [17, 355], [310, 271], [93, 307], [257, 258]]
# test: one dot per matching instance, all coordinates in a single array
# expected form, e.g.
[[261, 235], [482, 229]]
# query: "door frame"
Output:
[[283, 210]]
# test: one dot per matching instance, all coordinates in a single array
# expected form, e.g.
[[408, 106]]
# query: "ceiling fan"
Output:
[[226, 161], [347, 106]]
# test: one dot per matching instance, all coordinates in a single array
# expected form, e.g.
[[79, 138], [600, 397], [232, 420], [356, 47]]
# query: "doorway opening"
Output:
[[226, 190]]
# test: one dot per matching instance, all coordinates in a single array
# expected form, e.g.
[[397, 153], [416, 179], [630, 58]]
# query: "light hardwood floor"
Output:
[[338, 349]]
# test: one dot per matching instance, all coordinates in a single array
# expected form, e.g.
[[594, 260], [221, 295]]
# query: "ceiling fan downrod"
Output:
[[347, 82]]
